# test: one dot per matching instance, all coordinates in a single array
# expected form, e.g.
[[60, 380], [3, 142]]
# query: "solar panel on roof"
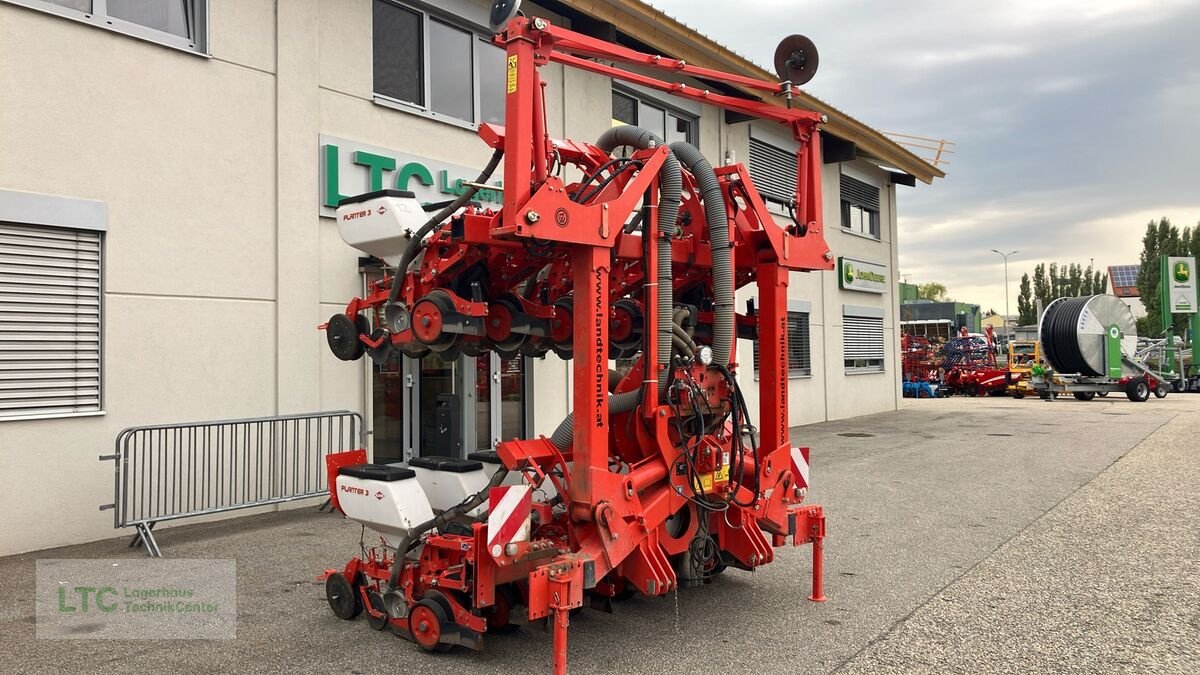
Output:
[[1124, 275]]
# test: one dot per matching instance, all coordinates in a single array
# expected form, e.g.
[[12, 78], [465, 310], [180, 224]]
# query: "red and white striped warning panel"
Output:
[[800, 466], [509, 508]]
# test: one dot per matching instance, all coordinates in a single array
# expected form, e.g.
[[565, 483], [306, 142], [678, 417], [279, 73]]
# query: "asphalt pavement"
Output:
[[964, 535]]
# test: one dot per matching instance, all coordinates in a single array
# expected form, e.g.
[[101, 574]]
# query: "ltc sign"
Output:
[[351, 168]]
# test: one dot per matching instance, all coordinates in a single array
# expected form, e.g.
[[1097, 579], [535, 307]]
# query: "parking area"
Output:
[[965, 535]]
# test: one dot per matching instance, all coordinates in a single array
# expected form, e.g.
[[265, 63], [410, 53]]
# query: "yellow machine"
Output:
[[1023, 355]]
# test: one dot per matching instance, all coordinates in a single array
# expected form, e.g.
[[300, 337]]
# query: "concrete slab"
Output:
[[932, 492]]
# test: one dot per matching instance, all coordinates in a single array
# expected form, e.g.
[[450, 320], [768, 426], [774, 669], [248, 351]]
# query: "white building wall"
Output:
[[217, 266]]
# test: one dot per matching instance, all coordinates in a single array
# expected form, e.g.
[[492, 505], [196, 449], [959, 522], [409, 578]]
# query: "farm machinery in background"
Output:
[[1023, 357], [1090, 349], [658, 479], [962, 365]]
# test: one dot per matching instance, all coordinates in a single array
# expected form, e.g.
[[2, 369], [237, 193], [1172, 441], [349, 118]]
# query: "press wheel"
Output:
[[342, 596], [426, 620]]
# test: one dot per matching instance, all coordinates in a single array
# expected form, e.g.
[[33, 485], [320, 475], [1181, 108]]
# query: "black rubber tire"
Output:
[[343, 597], [341, 334], [1018, 395], [1138, 390], [1160, 391], [1085, 395]]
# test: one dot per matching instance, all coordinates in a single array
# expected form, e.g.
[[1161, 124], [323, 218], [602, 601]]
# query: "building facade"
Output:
[[176, 163]]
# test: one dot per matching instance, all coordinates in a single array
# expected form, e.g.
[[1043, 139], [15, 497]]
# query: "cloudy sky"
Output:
[[1076, 121]]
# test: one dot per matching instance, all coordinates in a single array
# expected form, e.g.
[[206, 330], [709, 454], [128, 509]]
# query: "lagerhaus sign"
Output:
[[351, 168]]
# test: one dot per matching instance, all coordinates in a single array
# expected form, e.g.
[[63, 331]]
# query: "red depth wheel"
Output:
[[428, 321], [425, 624]]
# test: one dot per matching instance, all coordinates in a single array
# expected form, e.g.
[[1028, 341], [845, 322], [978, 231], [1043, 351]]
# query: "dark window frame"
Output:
[[691, 136], [196, 42], [426, 17], [858, 204]]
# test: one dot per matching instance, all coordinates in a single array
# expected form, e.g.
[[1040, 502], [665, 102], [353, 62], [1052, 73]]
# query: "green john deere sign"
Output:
[[1182, 272], [351, 168], [1179, 285], [860, 275]]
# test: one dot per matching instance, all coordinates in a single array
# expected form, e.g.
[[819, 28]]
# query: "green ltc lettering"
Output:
[[377, 164]]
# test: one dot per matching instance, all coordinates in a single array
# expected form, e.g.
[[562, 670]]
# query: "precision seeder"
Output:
[[658, 479]]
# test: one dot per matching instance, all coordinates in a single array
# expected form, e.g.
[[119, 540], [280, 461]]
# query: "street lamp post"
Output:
[[1005, 256]]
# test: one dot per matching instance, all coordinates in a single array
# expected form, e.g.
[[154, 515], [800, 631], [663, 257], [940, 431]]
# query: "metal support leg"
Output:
[[145, 536], [818, 565], [561, 620]]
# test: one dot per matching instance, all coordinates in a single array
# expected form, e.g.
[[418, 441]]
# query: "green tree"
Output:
[[1101, 284], [1041, 285], [932, 291], [1074, 281], [1088, 288], [1026, 312], [1055, 282], [1161, 238]]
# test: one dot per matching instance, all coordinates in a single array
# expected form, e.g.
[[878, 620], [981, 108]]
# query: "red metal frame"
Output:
[[575, 260]]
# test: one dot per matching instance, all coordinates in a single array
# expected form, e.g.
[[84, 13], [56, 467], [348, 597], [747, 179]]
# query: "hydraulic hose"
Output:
[[670, 183], [440, 520], [391, 310], [564, 434], [718, 238]]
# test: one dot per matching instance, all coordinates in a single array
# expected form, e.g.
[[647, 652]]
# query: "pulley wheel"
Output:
[[343, 598], [377, 622], [501, 12], [381, 353], [341, 333], [796, 59], [425, 623], [562, 332]]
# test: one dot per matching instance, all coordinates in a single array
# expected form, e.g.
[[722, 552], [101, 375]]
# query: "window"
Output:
[[435, 66], [799, 349], [49, 320], [773, 171], [176, 23], [862, 339], [860, 206], [669, 125]]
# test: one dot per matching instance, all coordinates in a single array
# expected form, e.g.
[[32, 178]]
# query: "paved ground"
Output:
[[965, 535]]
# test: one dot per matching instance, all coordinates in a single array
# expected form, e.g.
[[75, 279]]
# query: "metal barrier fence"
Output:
[[170, 471]]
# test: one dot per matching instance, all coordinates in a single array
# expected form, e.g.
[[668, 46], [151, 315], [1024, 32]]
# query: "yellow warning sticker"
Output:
[[721, 475], [512, 73]]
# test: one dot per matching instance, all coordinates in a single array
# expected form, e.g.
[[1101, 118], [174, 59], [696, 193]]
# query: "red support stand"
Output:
[[561, 621], [818, 567]]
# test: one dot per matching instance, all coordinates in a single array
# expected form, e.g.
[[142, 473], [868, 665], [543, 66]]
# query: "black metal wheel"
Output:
[[381, 353], [341, 333], [377, 622], [343, 597], [1160, 390], [1085, 395]]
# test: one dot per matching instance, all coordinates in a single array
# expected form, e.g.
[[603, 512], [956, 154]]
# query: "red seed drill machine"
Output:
[[658, 479]]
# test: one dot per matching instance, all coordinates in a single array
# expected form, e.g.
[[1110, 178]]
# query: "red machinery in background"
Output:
[[661, 478]]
